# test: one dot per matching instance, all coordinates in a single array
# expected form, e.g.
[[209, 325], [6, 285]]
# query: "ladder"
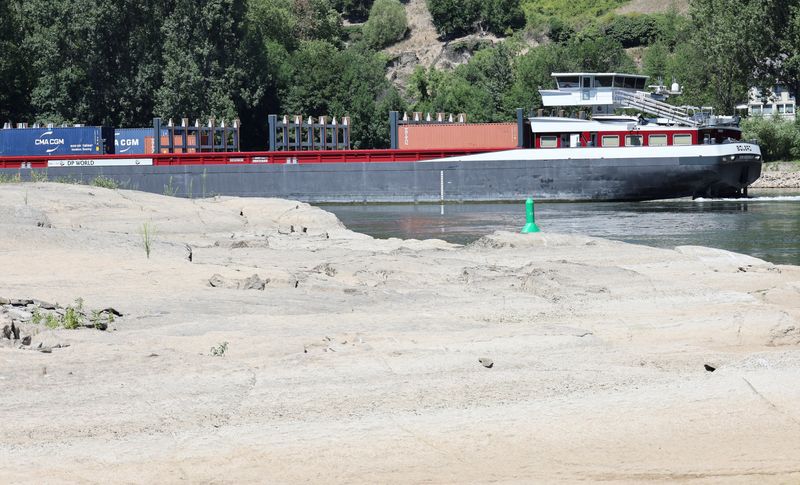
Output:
[[642, 101]]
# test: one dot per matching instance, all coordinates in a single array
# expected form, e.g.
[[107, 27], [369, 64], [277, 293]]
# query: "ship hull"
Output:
[[496, 176]]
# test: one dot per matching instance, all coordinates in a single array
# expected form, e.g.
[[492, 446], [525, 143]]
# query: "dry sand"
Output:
[[358, 362]]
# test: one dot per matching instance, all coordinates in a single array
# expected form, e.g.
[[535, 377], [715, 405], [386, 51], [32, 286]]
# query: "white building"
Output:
[[778, 101]]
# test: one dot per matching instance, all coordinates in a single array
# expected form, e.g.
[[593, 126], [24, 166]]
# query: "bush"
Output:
[[778, 139], [458, 17], [632, 30], [386, 25]]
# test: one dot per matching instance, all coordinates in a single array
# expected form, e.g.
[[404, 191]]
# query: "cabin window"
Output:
[[681, 139], [789, 109], [630, 82], [767, 109], [568, 82], [633, 140], [640, 83], [657, 140], [548, 141], [755, 109], [603, 81], [781, 108], [610, 140]]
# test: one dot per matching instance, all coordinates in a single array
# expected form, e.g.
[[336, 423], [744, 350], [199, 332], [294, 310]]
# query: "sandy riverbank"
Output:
[[358, 360]]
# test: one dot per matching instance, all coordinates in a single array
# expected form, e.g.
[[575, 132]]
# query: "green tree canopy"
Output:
[[386, 25]]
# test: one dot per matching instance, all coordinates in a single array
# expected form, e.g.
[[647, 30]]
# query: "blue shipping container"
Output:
[[89, 140], [131, 141]]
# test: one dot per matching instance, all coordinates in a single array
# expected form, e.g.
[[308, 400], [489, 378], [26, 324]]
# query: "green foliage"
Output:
[[458, 17], [51, 321], [14, 70], [386, 25], [779, 139], [220, 349], [632, 30], [575, 13], [147, 232], [105, 182], [355, 10], [359, 90]]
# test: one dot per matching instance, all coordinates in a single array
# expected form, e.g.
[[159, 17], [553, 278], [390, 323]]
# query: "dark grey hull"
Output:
[[604, 179]]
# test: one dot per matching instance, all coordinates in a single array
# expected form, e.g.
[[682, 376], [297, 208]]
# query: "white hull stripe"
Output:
[[599, 153]]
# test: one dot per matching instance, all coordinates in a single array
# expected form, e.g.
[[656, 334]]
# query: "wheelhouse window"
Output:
[[610, 140], [549, 141], [634, 140], [657, 140], [568, 82], [682, 139], [603, 81]]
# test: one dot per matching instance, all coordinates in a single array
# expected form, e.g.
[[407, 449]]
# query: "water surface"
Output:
[[766, 226]]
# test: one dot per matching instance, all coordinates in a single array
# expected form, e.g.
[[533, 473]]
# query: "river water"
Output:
[[766, 226]]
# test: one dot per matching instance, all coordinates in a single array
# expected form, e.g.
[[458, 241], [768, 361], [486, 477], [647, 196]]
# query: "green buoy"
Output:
[[530, 225]]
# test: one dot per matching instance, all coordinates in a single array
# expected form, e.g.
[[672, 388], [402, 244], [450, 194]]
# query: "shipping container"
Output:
[[457, 135], [84, 140], [177, 142], [131, 141]]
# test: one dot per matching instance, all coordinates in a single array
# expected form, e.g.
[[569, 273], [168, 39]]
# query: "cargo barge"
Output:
[[607, 157]]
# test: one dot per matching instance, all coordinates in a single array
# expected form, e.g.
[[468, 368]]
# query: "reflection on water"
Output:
[[766, 226]]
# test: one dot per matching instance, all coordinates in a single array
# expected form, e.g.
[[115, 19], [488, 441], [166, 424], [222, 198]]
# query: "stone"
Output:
[[26, 340], [216, 281], [45, 305], [4, 301], [112, 311], [486, 362], [253, 283], [709, 368], [19, 314], [45, 350], [15, 331], [20, 302], [7, 332]]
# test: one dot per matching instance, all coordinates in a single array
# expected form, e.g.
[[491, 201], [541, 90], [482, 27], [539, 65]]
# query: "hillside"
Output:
[[423, 46]]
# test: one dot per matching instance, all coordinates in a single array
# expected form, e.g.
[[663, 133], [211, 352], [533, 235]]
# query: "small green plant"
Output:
[[170, 189], [38, 175], [10, 179], [51, 321], [37, 317], [220, 349], [105, 182], [72, 318], [147, 232]]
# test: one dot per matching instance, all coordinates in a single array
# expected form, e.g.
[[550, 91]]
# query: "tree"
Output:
[[454, 17], [14, 73], [532, 72], [732, 50], [354, 10], [326, 81], [656, 60], [205, 61], [386, 25]]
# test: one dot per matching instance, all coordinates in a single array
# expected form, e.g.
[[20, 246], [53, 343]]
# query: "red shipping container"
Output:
[[457, 135], [177, 140]]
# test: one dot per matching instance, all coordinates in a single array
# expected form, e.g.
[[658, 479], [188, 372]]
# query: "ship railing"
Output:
[[651, 106]]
